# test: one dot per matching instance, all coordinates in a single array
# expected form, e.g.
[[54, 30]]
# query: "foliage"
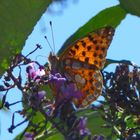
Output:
[[16, 22], [51, 117], [131, 6]]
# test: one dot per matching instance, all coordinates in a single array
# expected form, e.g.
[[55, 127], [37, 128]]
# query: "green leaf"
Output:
[[49, 91], [16, 23], [95, 124], [131, 6], [131, 121], [126, 62], [38, 117], [108, 17]]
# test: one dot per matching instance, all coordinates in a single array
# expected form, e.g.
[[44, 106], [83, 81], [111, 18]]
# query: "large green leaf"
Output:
[[17, 19], [126, 62], [108, 17], [131, 6]]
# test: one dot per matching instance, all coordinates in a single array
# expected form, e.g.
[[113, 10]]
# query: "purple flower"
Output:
[[57, 79], [71, 91], [37, 98], [100, 137], [28, 136], [41, 95], [81, 127], [33, 73], [82, 123], [40, 72], [64, 89]]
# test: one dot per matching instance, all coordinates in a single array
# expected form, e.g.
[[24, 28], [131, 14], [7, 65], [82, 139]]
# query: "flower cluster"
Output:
[[81, 127], [122, 92], [34, 74], [47, 96]]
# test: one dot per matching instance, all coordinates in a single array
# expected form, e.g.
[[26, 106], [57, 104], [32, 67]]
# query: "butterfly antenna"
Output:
[[52, 36], [49, 43]]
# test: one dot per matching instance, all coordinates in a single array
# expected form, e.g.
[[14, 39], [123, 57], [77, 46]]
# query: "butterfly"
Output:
[[82, 61]]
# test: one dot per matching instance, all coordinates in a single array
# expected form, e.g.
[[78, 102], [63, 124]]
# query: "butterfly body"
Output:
[[82, 61]]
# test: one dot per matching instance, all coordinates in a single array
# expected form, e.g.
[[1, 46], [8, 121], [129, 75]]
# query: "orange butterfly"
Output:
[[81, 63]]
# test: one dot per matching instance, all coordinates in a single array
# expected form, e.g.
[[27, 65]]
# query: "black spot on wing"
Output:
[[91, 80], [83, 43], [101, 56], [92, 39], [97, 48], [103, 49], [96, 62], [95, 54], [83, 53], [89, 48], [90, 73], [76, 47]]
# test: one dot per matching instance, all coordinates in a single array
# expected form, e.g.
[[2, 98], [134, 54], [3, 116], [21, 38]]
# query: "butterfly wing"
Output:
[[82, 61], [89, 82], [91, 49]]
